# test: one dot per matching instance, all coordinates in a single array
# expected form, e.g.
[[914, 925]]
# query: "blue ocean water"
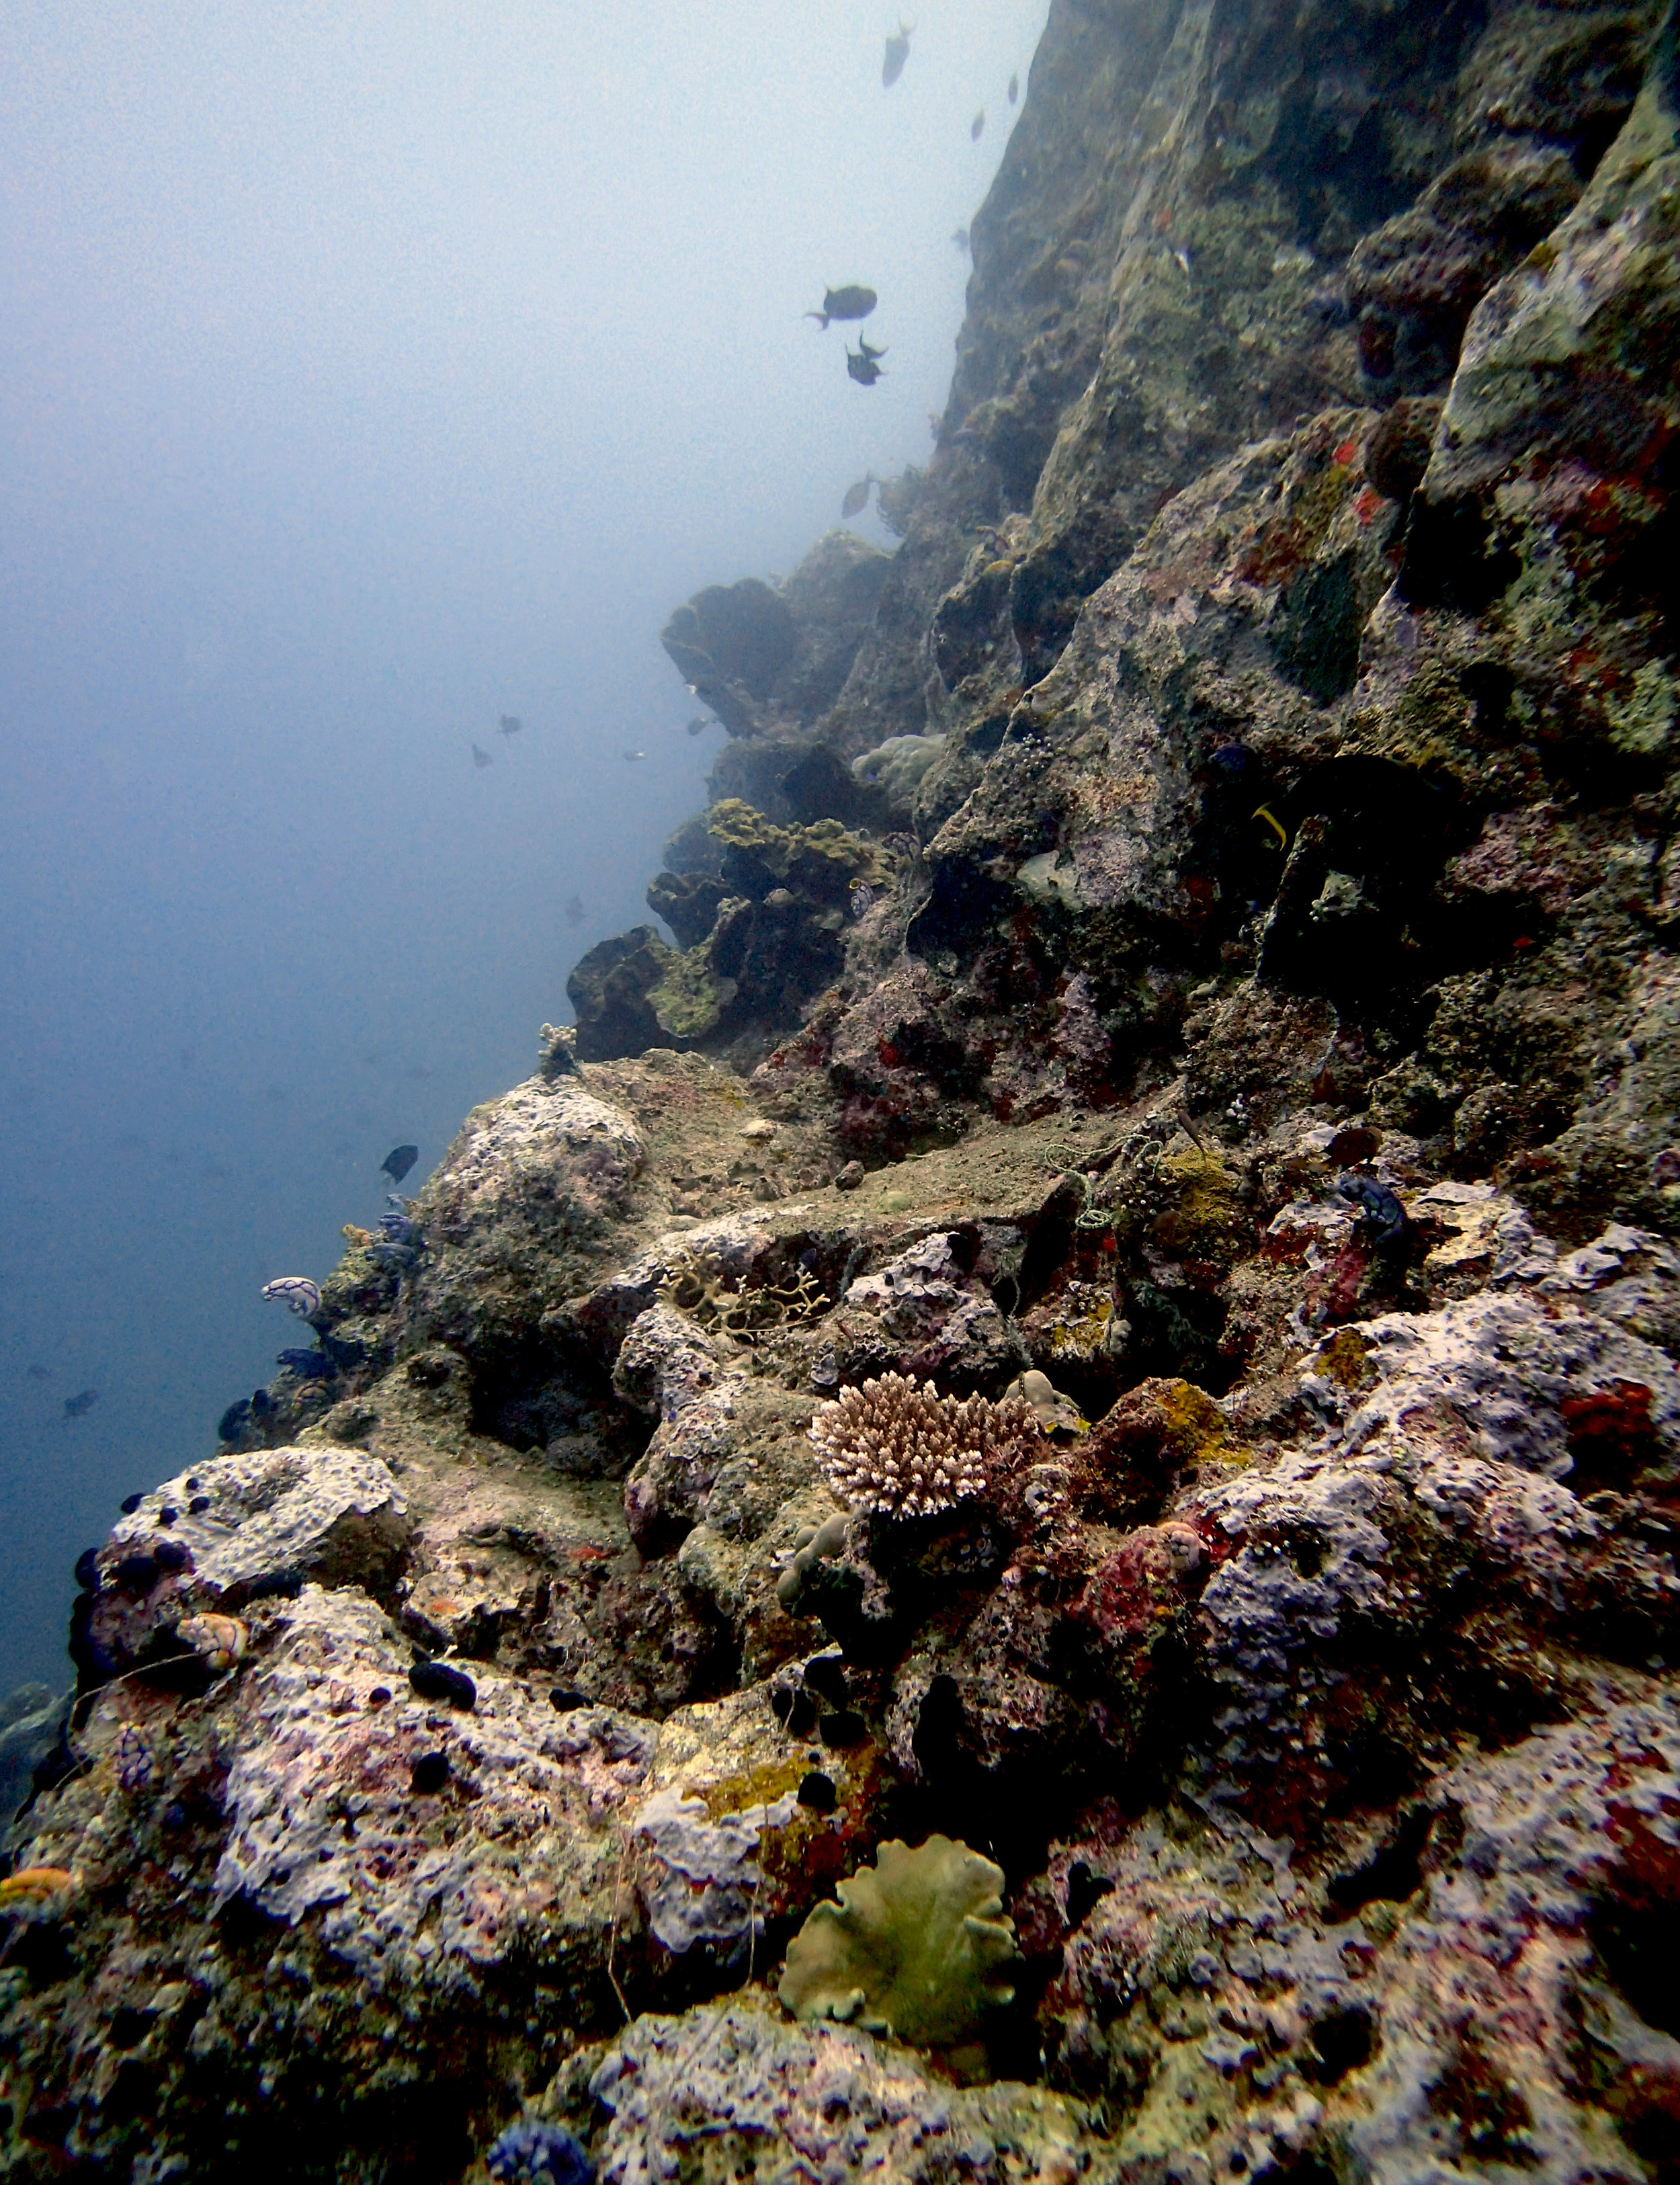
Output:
[[366, 376]]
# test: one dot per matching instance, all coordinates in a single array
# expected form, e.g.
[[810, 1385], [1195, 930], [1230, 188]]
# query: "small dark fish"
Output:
[[574, 913], [861, 898], [851, 303], [38, 1373], [308, 1365], [897, 52], [481, 757], [510, 725], [78, 1407], [858, 496], [959, 236], [976, 125], [398, 1162], [698, 726], [1379, 1208], [1014, 89], [861, 365]]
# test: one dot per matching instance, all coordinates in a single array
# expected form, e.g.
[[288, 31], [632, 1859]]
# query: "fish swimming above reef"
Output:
[[297, 1292], [482, 758], [861, 365], [79, 1406], [851, 303], [976, 125], [1014, 89], [897, 54], [574, 913], [699, 725], [857, 496], [959, 236], [398, 1162], [510, 725]]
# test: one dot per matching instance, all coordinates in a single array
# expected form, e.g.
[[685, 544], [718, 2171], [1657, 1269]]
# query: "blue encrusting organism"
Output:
[[309, 1365], [399, 1242], [532, 2152], [1379, 1210]]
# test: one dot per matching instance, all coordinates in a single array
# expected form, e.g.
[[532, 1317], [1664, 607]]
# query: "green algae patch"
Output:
[[1643, 721], [690, 997], [1345, 1359]]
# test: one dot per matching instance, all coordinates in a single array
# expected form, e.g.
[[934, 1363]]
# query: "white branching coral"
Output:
[[895, 1447]]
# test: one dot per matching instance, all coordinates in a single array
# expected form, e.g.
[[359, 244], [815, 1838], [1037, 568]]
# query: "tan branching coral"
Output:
[[895, 1447]]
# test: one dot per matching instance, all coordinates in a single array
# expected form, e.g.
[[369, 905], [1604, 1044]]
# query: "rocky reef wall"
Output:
[[1179, 967]]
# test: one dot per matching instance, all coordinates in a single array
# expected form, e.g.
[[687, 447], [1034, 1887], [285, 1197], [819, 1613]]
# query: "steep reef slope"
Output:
[[1179, 965]]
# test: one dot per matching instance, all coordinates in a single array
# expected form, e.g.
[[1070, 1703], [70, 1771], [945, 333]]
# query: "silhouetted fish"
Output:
[[977, 125], [633, 756], [574, 910], [510, 725], [481, 757], [897, 52], [398, 1162], [959, 236], [698, 725], [38, 1373], [1014, 89], [850, 303], [78, 1407], [861, 365], [856, 495]]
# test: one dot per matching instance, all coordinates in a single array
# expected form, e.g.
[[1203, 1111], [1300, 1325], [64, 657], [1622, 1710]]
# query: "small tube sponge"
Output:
[[915, 1948]]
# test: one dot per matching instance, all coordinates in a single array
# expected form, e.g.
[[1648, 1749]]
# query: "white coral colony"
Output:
[[896, 1448]]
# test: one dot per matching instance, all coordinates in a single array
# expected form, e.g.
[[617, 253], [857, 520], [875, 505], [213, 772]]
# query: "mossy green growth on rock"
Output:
[[818, 861], [915, 1948], [690, 997]]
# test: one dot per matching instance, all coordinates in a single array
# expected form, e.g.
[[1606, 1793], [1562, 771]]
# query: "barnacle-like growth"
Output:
[[916, 1948], [895, 1447]]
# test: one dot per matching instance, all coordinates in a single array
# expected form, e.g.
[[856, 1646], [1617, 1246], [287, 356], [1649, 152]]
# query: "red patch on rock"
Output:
[[1610, 1433]]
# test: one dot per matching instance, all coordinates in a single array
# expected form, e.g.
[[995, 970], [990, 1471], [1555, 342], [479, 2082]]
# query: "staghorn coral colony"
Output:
[[659, 1708]]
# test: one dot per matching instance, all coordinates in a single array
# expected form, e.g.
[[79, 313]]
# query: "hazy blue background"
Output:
[[366, 373]]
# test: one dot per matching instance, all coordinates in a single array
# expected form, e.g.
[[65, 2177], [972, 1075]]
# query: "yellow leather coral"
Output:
[[915, 1948]]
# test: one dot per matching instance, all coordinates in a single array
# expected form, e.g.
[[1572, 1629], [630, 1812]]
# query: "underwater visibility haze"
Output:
[[375, 383]]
